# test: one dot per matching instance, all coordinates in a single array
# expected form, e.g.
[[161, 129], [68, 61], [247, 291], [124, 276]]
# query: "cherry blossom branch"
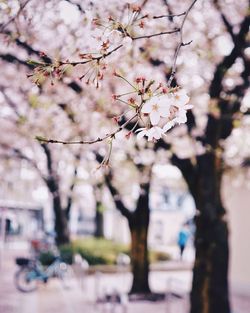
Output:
[[103, 56], [168, 15], [181, 44], [89, 142], [22, 6], [156, 34]]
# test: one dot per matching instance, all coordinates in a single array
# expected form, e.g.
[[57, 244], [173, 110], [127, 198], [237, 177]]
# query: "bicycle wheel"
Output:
[[25, 280]]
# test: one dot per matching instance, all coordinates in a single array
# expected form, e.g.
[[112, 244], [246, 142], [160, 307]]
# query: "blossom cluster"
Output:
[[112, 31], [164, 112], [158, 108]]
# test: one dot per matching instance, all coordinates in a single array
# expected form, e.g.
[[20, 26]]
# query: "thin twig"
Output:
[[181, 44], [3, 26], [168, 15], [156, 34], [103, 56], [89, 142]]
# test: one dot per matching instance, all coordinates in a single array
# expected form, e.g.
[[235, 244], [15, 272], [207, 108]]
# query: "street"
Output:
[[80, 295]]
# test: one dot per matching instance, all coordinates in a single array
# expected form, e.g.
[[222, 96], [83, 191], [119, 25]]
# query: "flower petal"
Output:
[[181, 117], [184, 99], [164, 110], [157, 132], [188, 106], [154, 117], [168, 126], [147, 107], [154, 133]]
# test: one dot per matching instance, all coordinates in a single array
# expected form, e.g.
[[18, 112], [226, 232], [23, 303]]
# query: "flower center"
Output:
[[155, 107]]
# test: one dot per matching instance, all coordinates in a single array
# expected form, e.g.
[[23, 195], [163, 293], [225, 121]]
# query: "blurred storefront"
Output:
[[19, 221]]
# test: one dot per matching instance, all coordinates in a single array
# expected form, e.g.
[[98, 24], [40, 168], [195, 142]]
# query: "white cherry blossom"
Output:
[[168, 126], [156, 108], [181, 114], [179, 101], [115, 38], [153, 133], [179, 98]]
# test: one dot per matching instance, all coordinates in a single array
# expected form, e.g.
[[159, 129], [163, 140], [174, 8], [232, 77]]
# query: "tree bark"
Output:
[[99, 230], [61, 223], [138, 225], [210, 274], [210, 287], [139, 258], [138, 221]]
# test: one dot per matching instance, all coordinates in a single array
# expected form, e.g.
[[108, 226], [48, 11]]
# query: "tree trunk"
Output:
[[139, 258], [210, 274], [138, 225], [99, 231], [210, 286], [61, 224]]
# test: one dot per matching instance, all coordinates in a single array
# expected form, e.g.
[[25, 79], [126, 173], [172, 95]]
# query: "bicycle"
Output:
[[31, 272]]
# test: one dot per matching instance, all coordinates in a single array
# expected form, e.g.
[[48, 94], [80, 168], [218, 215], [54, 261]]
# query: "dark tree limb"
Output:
[[117, 197], [13, 152], [240, 42], [72, 186]]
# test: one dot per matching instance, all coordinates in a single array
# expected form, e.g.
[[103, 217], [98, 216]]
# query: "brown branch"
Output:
[[3, 26], [88, 142], [117, 197], [13, 59], [8, 100], [16, 153], [228, 26], [181, 44], [103, 56], [72, 186], [169, 15], [156, 34], [229, 60], [77, 5]]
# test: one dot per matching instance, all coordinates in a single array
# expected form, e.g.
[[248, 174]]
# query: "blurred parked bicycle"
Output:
[[31, 272], [45, 263]]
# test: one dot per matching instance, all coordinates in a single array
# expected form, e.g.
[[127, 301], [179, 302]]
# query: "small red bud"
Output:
[[131, 100], [116, 119], [128, 135], [116, 74], [141, 24], [42, 54], [114, 97]]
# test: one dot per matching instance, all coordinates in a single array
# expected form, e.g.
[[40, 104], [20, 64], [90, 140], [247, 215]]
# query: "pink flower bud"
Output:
[[128, 135]]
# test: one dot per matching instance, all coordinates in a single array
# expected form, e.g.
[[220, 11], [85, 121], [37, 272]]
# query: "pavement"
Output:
[[81, 292]]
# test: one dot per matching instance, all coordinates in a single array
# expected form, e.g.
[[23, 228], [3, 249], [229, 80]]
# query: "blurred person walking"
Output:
[[182, 240]]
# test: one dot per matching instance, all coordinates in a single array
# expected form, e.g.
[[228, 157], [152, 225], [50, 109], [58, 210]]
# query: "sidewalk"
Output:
[[54, 298]]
